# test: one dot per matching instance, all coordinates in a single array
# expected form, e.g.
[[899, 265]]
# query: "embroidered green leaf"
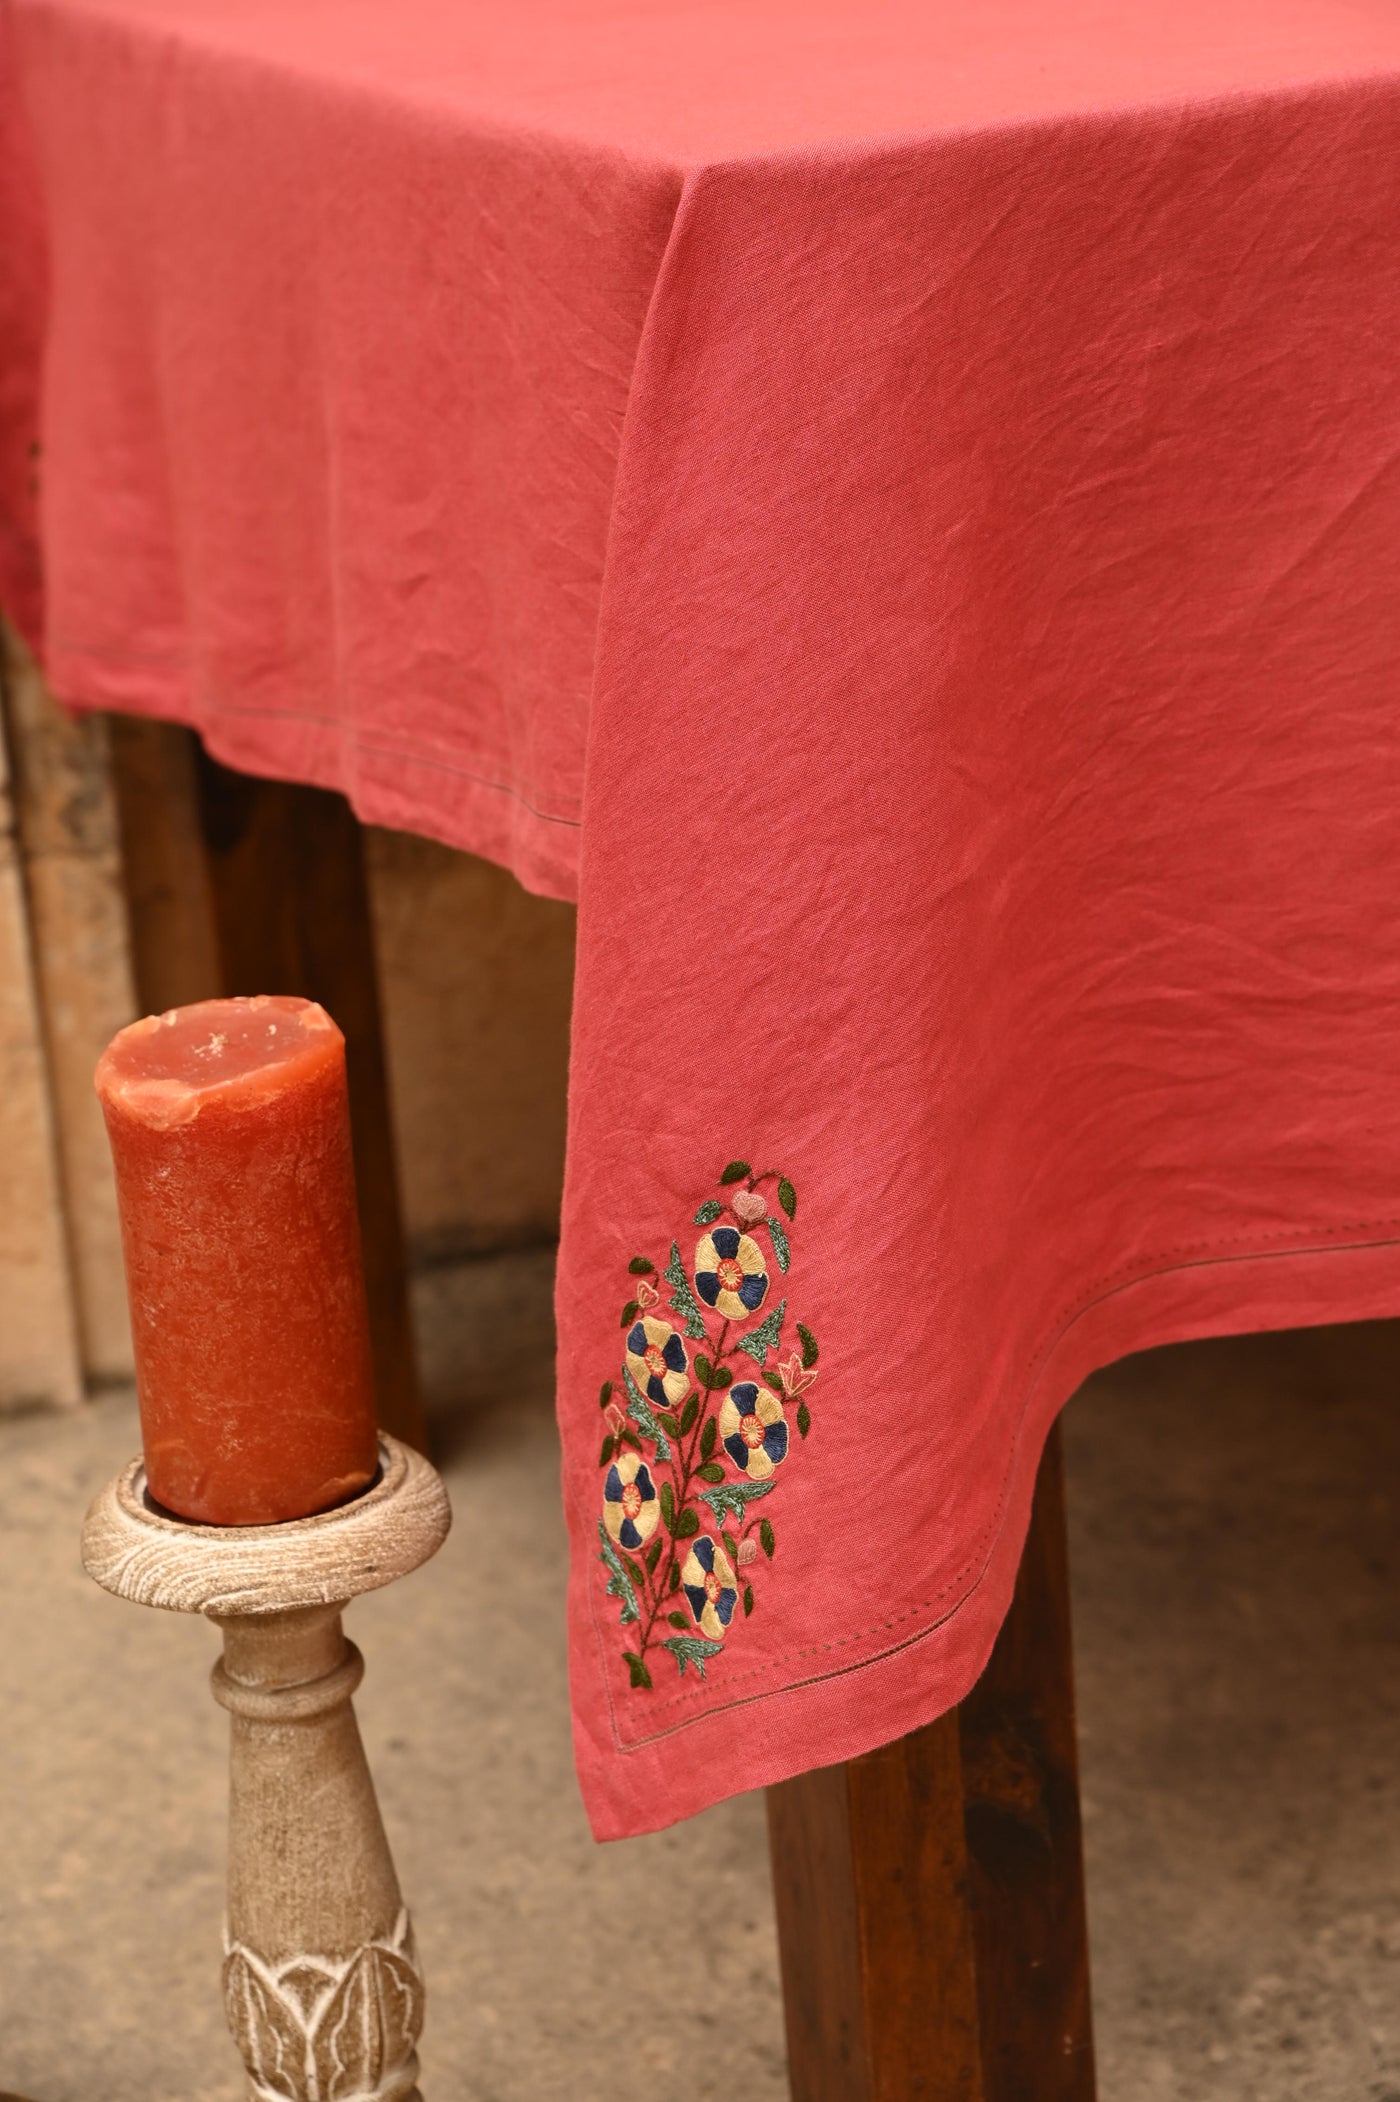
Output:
[[687, 1523], [682, 1298], [606, 1454], [689, 1649], [730, 1500], [766, 1539], [629, 1438], [709, 1437], [774, 1382], [629, 1313], [689, 1412], [810, 1352], [704, 1370], [634, 1570], [736, 1171], [748, 1600], [709, 1211], [668, 1422], [787, 1196], [642, 1414], [619, 1582], [715, 1377], [767, 1336], [731, 1546], [710, 1472], [640, 1267], [677, 1620], [653, 1555], [605, 1394], [675, 1583], [782, 1248], [804, 1419], [636, 1670], [668, 1506]]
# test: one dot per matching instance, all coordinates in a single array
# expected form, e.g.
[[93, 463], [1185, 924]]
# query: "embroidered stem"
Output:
[[682, 1472]]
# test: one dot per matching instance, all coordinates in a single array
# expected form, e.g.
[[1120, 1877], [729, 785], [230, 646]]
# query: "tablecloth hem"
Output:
[[386, 783], [864, 1702]]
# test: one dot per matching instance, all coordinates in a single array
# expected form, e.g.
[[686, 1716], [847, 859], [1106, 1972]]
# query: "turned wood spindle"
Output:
[[321, 1981]]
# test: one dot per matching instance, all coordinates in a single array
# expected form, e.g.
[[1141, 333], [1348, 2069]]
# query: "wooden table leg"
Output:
[[930, 1897], [237, 885]]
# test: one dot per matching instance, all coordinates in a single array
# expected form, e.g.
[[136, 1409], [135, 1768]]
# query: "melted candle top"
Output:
[[237, 1053]]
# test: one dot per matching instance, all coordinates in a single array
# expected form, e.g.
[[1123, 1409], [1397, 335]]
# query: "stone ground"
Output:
[[1237, 1570]]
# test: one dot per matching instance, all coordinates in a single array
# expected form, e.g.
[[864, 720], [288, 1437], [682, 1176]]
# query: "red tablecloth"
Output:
[[895, 506]]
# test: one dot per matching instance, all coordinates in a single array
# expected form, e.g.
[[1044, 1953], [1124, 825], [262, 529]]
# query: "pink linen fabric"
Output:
[[895, 508]]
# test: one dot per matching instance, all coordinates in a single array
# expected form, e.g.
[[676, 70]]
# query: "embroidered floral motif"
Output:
[[656, 1359], [693, 1437], [795, 1380], [710, 1586], [631, 1507], [730, 1273], [753, 1430]]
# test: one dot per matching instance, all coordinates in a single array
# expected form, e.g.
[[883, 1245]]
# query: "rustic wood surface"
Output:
[[137, 1551], [322, 1987], [1025, 1852], [40, 1358], [238, 885], [67, 831], [930, 1896]]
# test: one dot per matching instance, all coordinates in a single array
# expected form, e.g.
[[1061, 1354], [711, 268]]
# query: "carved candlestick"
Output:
[[321, 1982]]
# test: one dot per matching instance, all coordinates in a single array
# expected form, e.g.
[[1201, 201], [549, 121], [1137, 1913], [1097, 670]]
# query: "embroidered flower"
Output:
[[795, 1380], [631, 1508], [710, 1588], [708, 1403], [729, 1273], [752, 1429], [657, 1361]]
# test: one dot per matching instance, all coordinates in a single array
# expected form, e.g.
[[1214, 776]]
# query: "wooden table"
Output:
[[929, 1896]]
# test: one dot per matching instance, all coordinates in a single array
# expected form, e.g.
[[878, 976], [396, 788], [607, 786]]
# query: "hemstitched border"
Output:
[[347, 732], [1104, 1288]]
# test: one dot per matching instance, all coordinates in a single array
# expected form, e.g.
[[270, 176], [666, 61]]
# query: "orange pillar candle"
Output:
[[230, 1131]]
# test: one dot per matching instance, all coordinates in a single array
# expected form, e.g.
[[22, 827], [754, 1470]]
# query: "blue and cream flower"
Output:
[[657, 1361], [710, 1587], [752, 1429], [630, 1505], [729, 1273]]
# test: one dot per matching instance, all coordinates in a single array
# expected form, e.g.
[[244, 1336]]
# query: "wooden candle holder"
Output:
[[321, 1982]]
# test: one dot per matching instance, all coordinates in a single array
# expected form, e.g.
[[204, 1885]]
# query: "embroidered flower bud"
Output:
[[647, 1294], [614, 1419], [749, 1207], [748, 1552], [794, 1379]]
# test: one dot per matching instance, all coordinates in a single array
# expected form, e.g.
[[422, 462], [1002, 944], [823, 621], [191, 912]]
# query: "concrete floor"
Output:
[[1236, 1559]]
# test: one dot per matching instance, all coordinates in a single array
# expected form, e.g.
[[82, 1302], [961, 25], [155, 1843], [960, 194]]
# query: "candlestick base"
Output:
[[321, 1980]]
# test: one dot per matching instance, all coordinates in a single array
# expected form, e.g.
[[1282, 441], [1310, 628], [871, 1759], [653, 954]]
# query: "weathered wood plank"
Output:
[[67, 832], [39, 1356], [1024, 1843]]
